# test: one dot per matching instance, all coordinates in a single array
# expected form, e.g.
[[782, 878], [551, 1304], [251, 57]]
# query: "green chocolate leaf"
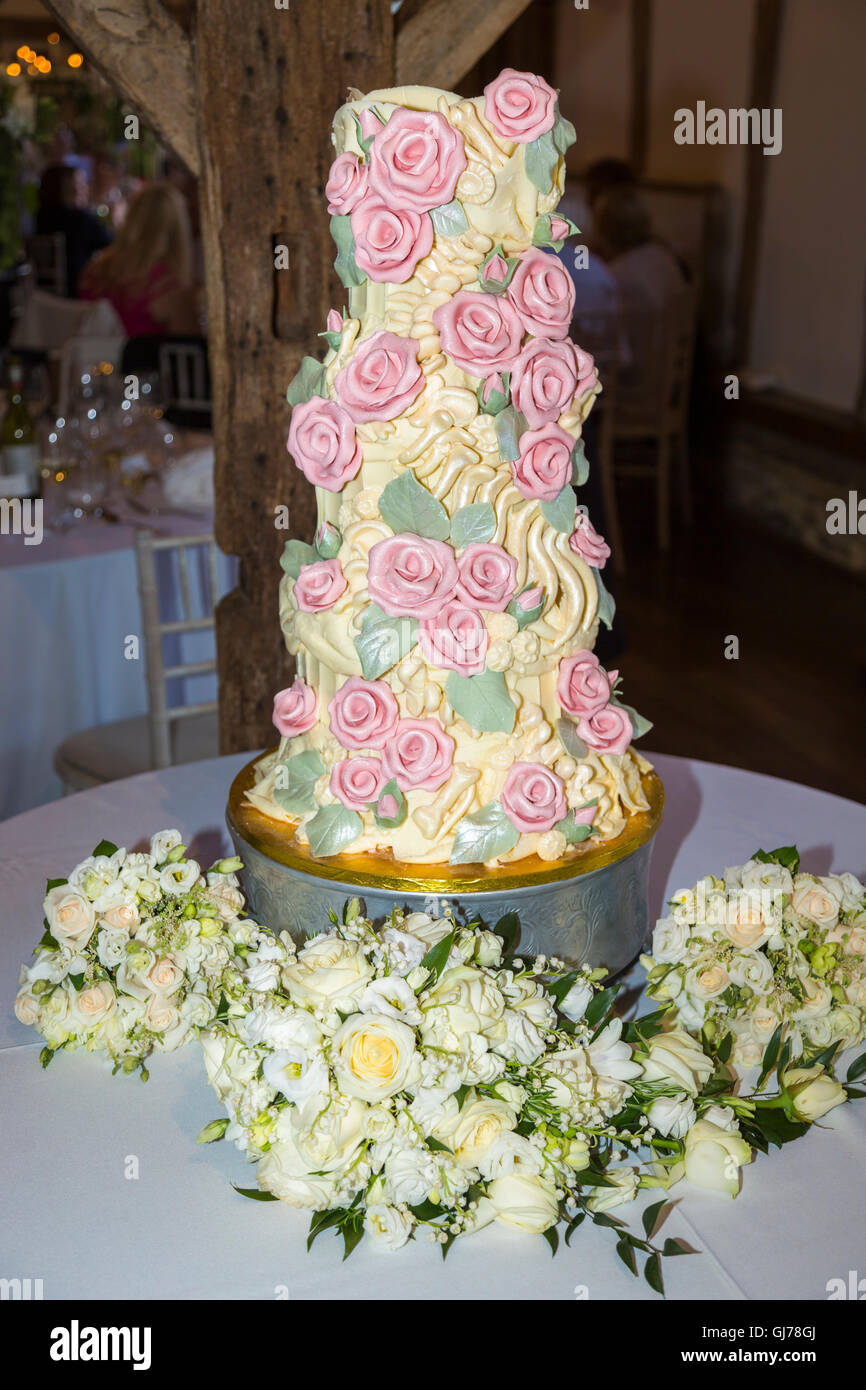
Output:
[[491, 286], [295, 555], [345, 266], [579, 465], [295, 780], [328, 541], [383, 641], [332, 829], [484, 835], [390, 822], [541, 158], [560, 512], [606, 604], [406, 505], [308, 381], [574, 834], [482, 700], [449, 219], [570, 740], [473, 524], [543, 236], [509, 425], [639, 724], [524, 616]]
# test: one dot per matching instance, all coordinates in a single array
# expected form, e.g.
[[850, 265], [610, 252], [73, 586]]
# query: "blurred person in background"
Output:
[[63, 209], [647, 272], [146, 274]]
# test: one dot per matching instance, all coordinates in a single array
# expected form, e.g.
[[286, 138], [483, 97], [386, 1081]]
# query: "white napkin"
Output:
[[188, 484]]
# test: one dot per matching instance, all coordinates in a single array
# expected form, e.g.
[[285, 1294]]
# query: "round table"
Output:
[[107, 1195]]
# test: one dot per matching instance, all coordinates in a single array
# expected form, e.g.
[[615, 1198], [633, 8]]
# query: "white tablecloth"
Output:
[[73, 1219], [66, 608]]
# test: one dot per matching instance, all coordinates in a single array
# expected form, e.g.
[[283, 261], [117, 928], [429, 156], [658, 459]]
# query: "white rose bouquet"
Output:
[[139, 952], [765, 962], [424, 1080]]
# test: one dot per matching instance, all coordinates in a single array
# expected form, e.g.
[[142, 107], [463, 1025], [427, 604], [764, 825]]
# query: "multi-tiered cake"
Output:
[[448, 704]]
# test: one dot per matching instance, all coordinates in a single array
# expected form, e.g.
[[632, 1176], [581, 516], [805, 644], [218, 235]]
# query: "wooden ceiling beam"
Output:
[[438, 41], [146, 56]]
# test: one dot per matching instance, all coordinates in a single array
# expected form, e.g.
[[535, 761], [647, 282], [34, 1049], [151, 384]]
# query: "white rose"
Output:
[[464, 1000], [111, 947], [482, 1065], [763, 1022], [723, 1117], [478, 1124], [284, 1172], [713, 1157], [510, 1153], [529, 998], [435, 1112], [262, 975], [772, 878], [814, 1092], [179, 878], [751, 968], [855, 942], [331, 1142], [328, 971], [817, 999], [70, 916], [672, 1115], [819, 1031], [427, 929], [853, 892], [280, 1027], [92, 1006], [524, 1201], [855, 992], [387, 1226], [393, 997], [372, 1056], [405, 952], [573, 1006], [677, 1058], [197, 1010], [624, 1189], [96, 876], [228, 1063], [410, 1176], [670, 939], [817, 898], [227, 899], [707, 979], [487, 949], [162, 843], [522, 1042], [296, 1073], [377, 1123], [122, 915]]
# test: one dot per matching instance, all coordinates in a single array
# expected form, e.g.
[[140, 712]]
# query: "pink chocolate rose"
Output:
[[455, 639], [347, 184], [559, 228], [410, 576], [357, 781], [519, 105], [295, 710], [416, 160], [544, 379], [419, 755], [607, 731], [381, 379], [533, 797], [319, 585], [487, 577], [583, 686], [587, 543], [323, 443], [544, 465], [542, 292], [480, 332], [363, 714], [389, 242]]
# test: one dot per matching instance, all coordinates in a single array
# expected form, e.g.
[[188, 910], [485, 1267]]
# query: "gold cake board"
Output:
[[590, 907]]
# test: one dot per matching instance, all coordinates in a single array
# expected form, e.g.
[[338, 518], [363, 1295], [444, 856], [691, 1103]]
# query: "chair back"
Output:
[[194, 587], [47, 255], [184, 376], [656, 366]]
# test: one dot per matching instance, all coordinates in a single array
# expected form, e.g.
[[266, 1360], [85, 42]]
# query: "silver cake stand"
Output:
[[591, 908]]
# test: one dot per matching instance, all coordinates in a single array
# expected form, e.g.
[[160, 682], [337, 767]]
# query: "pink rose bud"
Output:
[[530, 598], [492, 383], [559, 229], [585, 815], [387, 808], [370, 123], [495, 270], [335, 321], [586, 542]]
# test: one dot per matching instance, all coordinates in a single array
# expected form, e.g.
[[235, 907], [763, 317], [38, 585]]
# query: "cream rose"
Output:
[[161, 1015], [478, 1125], [707, 980], [813, 1092], [165, 976], [27, 1008], [672, 1115], [817, 899], [524, 1201], [624, 1189], [744, 921], [714, 1156], [463, 1001], [70, 917], [677, 1058], [372, 1056], [328, 971], [92, 1006]]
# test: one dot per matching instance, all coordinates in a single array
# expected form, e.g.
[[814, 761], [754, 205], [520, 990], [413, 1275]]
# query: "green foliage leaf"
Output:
[[104, 850], [483, 835], [857, 1068], [46, 1057], [437, 1146], [508, 931], [449, 219], [650, 1217], [301, 773], [574, 834], [436, 958], [570, 739], [308, 381], [427, 1210], [482, 700], [383, 641], [771, 1055], [626, 1254], [552, 1238], [788, 856], [255, 1194], [606, 604], [295, 555], [345, 263], [653, 1273], [473, 525], [543, 236], [497, 286], [599, 1005], [574, 1223], [560, 512], [332, 829], [47, 942], [406, 505], [508, 426], [54, 883], [674, 1246]]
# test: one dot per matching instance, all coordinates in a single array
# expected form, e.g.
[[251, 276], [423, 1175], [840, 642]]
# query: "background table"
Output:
[[177, 1230], [66, 608]]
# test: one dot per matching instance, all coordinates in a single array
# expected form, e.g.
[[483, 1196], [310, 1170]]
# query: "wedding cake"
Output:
[[448, 706]]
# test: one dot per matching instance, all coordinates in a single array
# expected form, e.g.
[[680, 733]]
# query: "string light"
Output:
[[54, 38], [75, 60], [13, 70]]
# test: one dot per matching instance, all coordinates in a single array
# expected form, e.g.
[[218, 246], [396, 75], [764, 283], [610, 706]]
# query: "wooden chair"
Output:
[[652, 415], [185, 382], [168, 733], [47, 255]]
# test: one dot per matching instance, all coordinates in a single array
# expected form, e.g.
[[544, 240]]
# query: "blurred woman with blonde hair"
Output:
[[146, 273]]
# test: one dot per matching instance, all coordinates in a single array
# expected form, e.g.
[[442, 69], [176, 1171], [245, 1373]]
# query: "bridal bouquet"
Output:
[[422, 1080], [766, 954], [140, 951]]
